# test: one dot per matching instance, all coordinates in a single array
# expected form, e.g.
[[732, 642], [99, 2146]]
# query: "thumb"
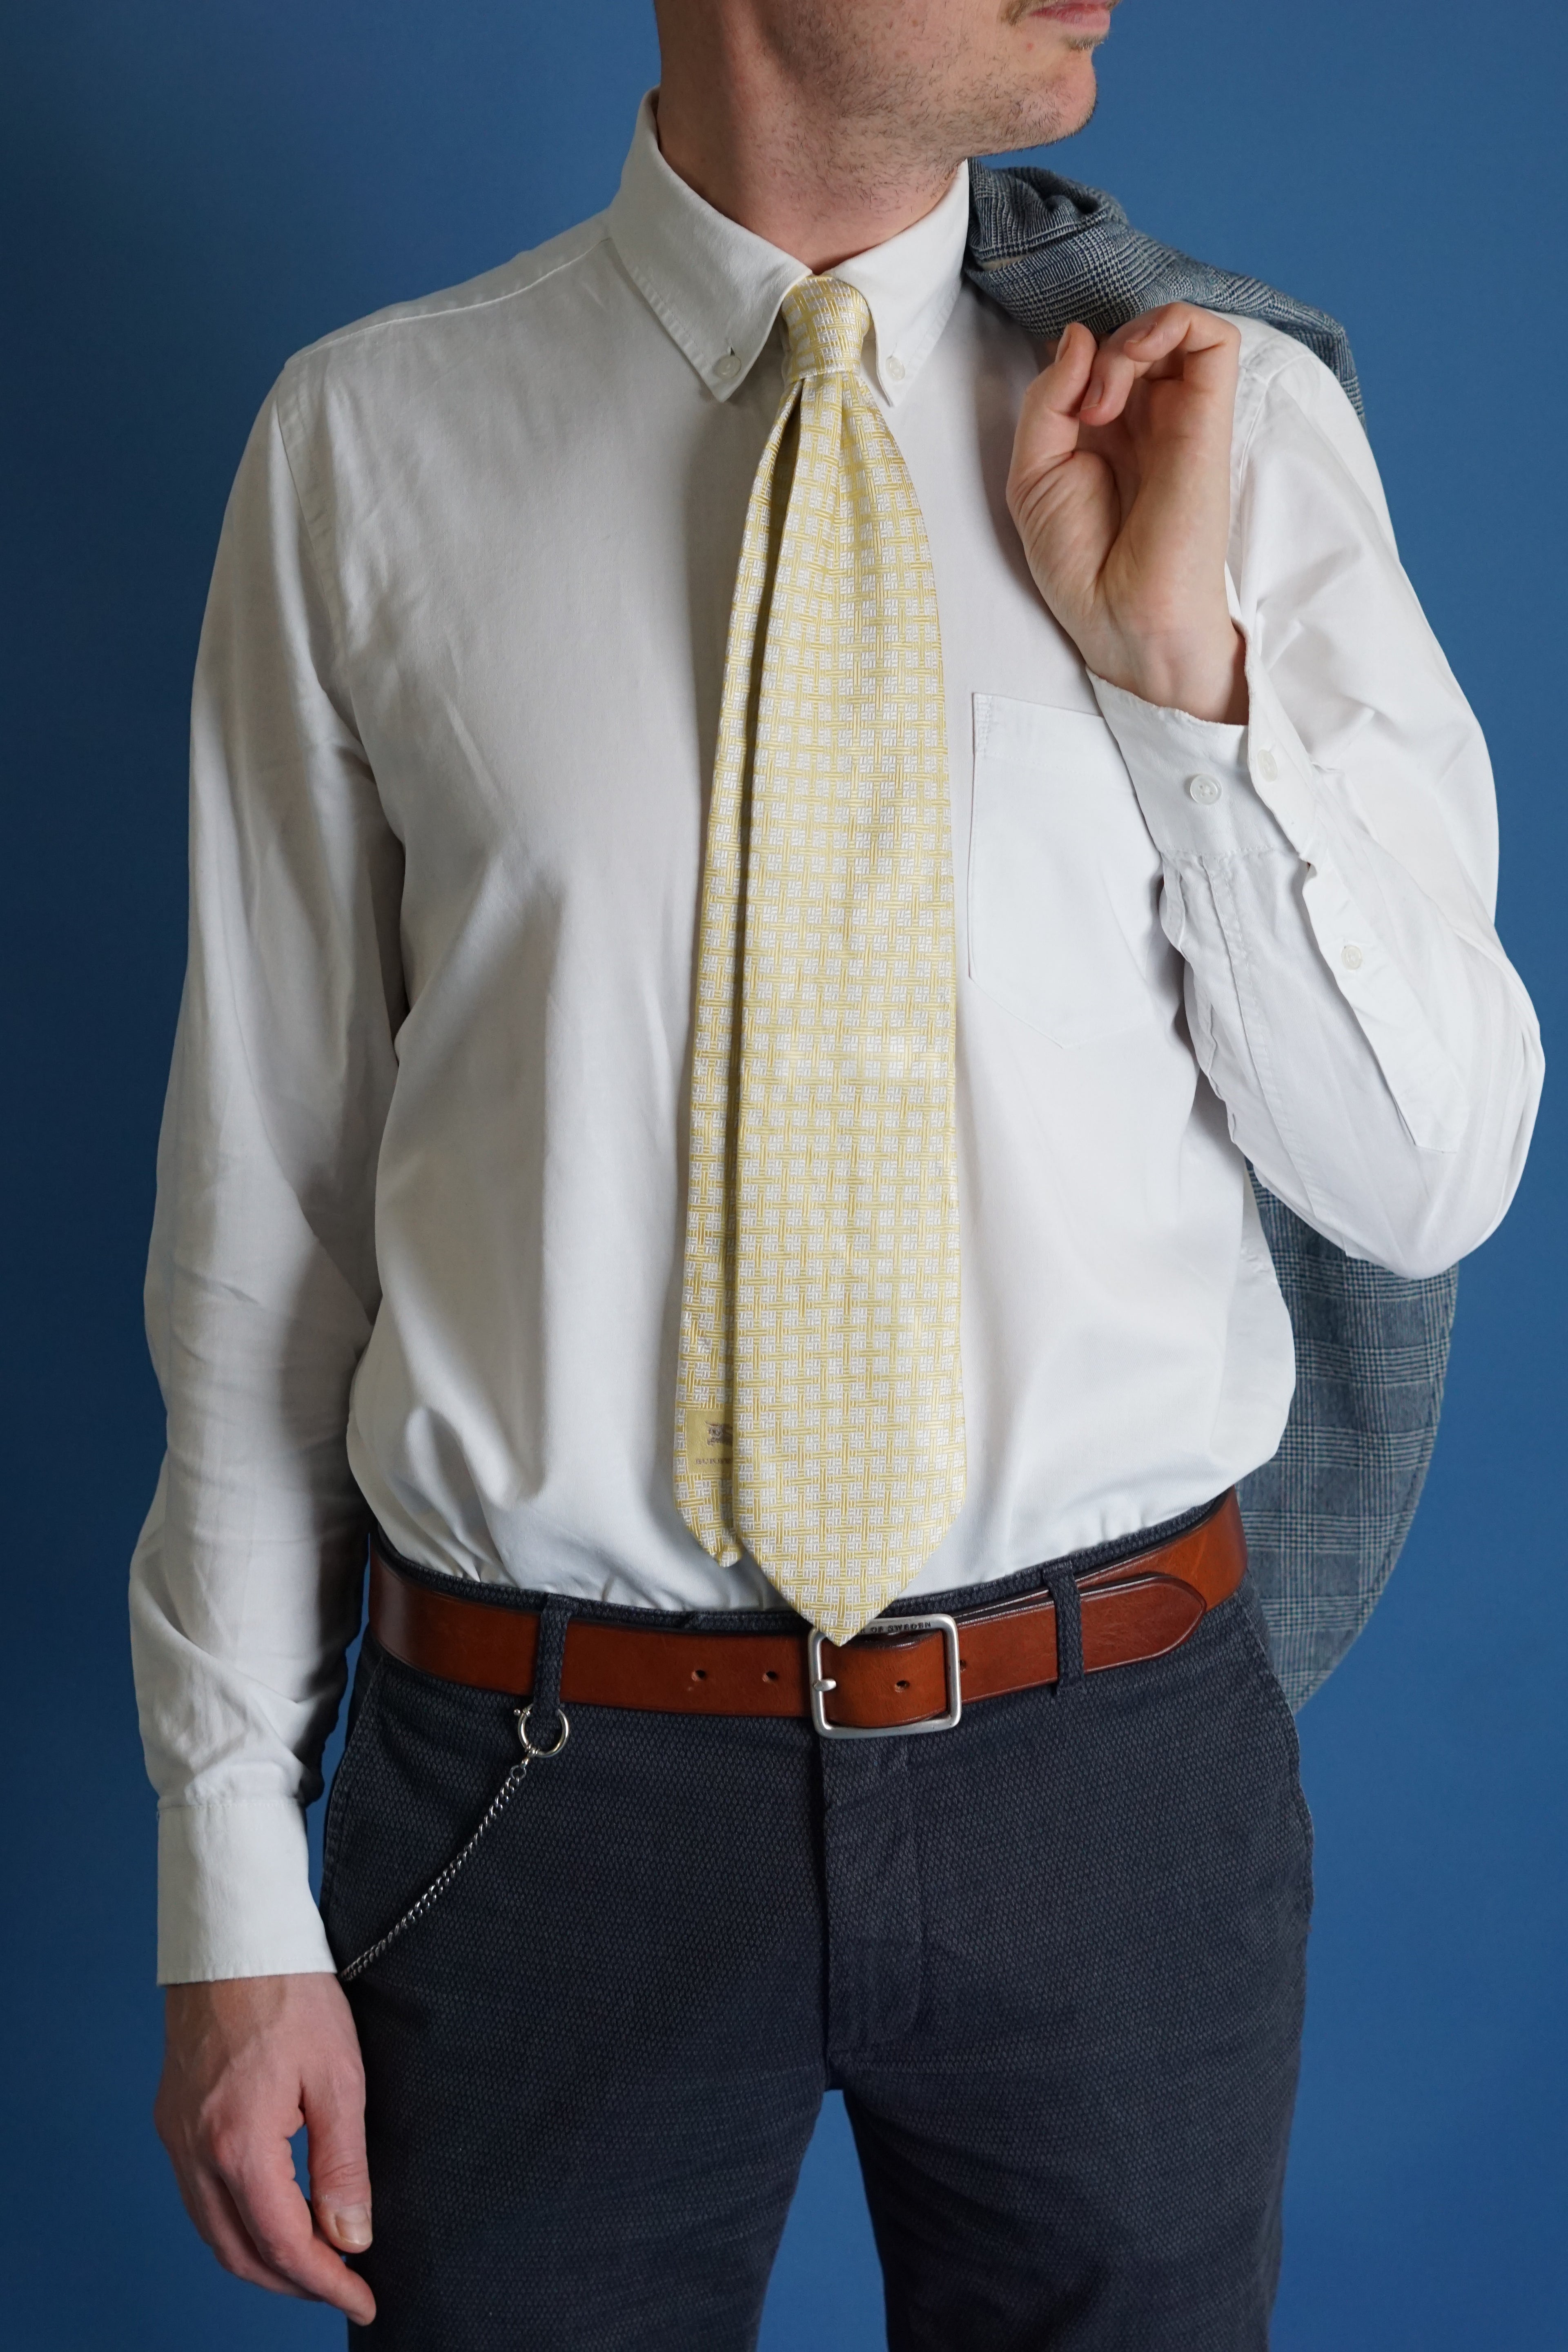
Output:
[[340, 2173], [1049, 417]]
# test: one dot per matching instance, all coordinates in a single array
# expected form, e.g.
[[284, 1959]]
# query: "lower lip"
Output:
[[1074, 17]]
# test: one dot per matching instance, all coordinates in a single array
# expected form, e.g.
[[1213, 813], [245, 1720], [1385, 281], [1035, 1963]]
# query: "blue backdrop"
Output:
[[191, 192]]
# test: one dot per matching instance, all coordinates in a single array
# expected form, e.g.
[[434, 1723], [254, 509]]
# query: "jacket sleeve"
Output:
[[261, 1284], [1330, 869]]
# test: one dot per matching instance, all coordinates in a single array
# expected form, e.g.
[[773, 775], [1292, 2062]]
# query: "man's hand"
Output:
[[1121, 492], [246, 2064]]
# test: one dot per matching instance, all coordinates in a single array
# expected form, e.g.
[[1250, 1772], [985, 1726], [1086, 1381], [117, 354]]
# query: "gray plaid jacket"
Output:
[[1326, 1517]]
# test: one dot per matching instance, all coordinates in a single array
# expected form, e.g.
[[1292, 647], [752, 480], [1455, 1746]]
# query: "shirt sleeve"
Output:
[[261, 1284], [1330, 869]]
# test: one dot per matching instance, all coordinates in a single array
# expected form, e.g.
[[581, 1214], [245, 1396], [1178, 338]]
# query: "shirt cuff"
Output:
[[1195, 779], [233, 1893], [1212, 794]]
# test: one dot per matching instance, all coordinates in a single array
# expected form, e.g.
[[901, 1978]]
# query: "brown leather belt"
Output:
[[899, 1678]]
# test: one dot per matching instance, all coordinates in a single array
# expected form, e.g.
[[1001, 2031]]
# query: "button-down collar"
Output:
[[717, 288]]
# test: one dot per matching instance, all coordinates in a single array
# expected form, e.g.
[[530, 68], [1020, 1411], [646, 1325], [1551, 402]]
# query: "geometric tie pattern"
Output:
[[819, 1418]]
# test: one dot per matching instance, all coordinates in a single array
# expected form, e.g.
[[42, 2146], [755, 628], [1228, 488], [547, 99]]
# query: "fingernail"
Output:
[[350, 2227], [1095, 394]]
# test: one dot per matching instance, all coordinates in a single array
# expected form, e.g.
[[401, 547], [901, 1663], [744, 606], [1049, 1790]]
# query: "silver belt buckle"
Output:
[[891, 1628]]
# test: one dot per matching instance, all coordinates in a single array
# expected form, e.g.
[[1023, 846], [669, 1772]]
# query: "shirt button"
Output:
[[1267, 765], [893, 368], [727, 368], [1202, 789], [1350, 956]]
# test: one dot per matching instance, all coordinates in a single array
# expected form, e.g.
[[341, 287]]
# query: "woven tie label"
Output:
[[710, 1442]]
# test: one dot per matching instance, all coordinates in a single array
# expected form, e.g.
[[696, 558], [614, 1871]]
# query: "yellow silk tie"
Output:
[[819, 1414]]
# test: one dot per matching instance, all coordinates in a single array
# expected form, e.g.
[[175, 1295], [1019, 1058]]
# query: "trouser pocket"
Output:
[[425, 1763]]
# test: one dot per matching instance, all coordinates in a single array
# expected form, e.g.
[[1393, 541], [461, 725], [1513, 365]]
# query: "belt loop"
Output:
[[1063, 1589], [544, 1714]]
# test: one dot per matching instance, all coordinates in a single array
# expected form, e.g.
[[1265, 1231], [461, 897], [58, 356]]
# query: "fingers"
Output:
[[275, 2222], [216, 2218], [1177, 340]]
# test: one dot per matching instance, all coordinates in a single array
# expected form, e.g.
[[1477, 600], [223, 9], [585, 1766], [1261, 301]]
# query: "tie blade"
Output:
[[824, 1203]]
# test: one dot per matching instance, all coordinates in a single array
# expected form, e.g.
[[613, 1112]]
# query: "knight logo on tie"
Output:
[[820, 1304]]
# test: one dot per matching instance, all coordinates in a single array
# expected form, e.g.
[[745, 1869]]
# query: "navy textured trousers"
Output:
[[1053, 1958]]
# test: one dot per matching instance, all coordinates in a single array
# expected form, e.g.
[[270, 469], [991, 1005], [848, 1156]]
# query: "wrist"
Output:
[[1205, 677]]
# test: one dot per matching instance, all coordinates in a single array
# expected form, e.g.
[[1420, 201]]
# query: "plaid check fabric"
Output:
[[819, 1417]]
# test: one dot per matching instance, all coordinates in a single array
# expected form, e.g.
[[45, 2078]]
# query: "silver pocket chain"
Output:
[[496, 1806]]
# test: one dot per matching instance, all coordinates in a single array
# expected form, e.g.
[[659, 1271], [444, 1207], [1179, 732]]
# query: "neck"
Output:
[[822, 184]]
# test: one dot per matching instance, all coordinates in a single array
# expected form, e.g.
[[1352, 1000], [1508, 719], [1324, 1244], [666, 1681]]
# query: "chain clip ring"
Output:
[[529, 1749]]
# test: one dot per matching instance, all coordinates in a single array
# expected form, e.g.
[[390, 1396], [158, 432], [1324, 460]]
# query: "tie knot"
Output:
[[827, 322]]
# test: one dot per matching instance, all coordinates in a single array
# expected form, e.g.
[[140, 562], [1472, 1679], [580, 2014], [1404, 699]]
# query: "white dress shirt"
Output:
[[421, 1214]]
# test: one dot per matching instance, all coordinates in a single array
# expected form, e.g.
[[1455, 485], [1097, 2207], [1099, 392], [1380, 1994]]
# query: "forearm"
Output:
[[1377, 1057], [262, 1284]]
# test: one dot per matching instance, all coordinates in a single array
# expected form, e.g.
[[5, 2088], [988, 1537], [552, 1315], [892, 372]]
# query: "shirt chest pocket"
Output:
[[1064, 880]]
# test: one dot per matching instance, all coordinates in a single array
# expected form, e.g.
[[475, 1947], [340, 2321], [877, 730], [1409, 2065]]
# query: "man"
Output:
[[765, 852]]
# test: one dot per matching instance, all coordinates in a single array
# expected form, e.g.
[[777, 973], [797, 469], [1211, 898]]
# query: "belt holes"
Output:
[[699, 1673], [769, 1673], [900, 1686]]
